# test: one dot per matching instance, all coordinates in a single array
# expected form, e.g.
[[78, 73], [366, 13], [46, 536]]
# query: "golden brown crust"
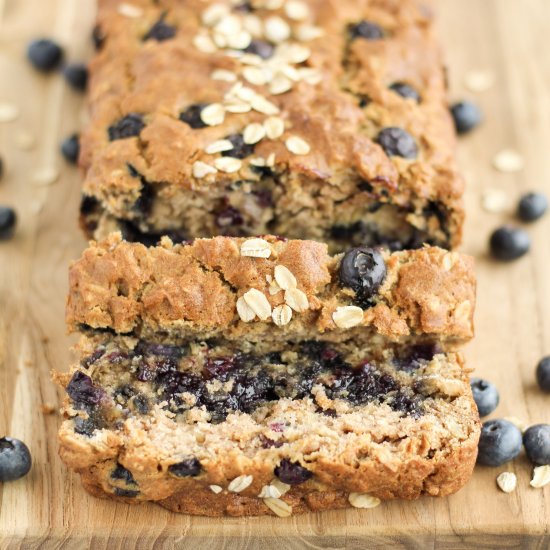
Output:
[[313, 191], [194, 288]]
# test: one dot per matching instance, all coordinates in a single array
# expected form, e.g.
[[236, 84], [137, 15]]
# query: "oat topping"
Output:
[[297, 145], [296, 299], [246, 313], [201, 169], [256, 248], [228, 164], [216, 489], [541, 476], [285, 278], [282, 315], [130, 11], [278, 507], [347, 316], [240, 484], [363, 500], [259, 304]]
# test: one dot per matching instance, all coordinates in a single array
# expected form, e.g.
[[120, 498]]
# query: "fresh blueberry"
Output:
[[45, 55], [532, 206], [192, 116], [466, 116], [292, 473], [70, 149], [537, 444], [240, 149], [509, 243], [396, 142], [189, 467], [485, 395], [160, 31], [76, 75], [366, 29], [363, 270], [543, 374], [260, 47], [8, 220], [128, 126], [499, 443], [15, 459], [406, 91]]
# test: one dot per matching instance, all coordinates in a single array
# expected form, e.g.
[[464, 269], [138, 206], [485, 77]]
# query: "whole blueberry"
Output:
[[292, 473], [532, 206], [543, 374], [128, 126], [76, 75], [466, 116], [45, 55], [186, 468], [70, 149], [537, 444], [509, 243], [397, 142], [363, 270], [406, 91], [485, 395], [500, 442], [15, 459], [8, 220], [367, 30]]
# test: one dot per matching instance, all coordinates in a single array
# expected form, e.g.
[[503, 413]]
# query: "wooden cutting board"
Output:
[[50, 509]]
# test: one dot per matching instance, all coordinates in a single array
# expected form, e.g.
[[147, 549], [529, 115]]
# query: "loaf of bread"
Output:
[[238, 376], [312, 119]]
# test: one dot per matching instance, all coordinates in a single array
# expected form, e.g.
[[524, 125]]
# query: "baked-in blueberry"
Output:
[[367, 30], [82, 390], [292, 473], [70, 149], [536, 440], [260, 47], [192, 116], [229, 217], [363, 270], [509, 243], [500, 442], [543, 374], [98, 37], [123, 474], [1, 168], [8, 220], [396, 142], [532, 206], [485, 395], [128, 126], [466, 116], [45, 55], [160, 31], [15, 459], [240, 149], [406, 91], [76, 75], [128, 493], [189, 467]]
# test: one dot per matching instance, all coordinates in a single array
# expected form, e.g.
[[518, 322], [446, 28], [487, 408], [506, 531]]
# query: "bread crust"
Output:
[[339, 117], [130, 288]]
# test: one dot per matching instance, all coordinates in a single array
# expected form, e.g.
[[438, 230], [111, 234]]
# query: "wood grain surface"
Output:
[[49, 509]]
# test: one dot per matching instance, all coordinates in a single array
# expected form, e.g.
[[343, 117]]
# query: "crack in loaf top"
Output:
[[192, 93], [287, 289]]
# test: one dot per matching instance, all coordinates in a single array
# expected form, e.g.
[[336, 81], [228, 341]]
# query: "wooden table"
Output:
[[49, 508]]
